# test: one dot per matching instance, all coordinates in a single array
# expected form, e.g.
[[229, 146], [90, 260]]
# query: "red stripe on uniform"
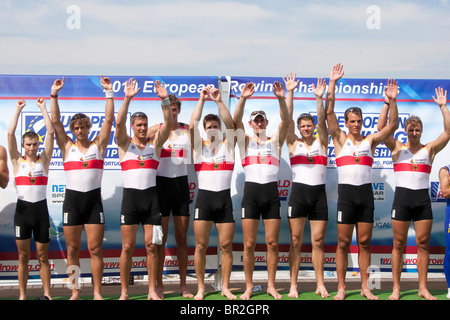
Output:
[[210, 166], [80, 165], [426, 168], [167, 153], [351, 160], [260, 160], [136, 164], [26, 181], [321, 160]]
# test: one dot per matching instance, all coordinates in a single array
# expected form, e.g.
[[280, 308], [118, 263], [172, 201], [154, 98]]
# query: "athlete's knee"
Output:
[[24, 256], [226, 246], [272, 244], [128, 246], [95, 249], [295, 241]]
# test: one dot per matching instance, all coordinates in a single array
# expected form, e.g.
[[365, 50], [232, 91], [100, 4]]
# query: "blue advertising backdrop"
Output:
[[85, 94]]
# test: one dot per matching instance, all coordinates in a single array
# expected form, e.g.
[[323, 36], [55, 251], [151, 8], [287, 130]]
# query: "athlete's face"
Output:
[[306, 128], [354, 123], [414, 132], [212, 129], [81, 131], [258, 124], [31, 146], [140, 128], [175, 112]]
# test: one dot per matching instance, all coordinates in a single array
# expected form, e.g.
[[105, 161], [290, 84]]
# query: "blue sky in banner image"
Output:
[[382, 39]]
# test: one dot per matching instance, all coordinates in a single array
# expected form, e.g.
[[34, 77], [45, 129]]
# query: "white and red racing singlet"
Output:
[[139, 166], [261, 162], [214, 171], [309, 166], [31, 183], [175, 155], [354, 163], [84, 171], [412, 171]]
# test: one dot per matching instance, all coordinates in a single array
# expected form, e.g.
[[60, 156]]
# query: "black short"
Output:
[[261, 200], [173, 195], [32, 218], [308, 202], [412, 205], [214, 206], [83, 208], [355, 204], [140, 207]]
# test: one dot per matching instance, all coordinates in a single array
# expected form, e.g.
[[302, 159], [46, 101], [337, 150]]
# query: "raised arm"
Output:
[[437, 145], [390, 141], [62, 139], [291, 84], [321, 121], [390, 93], [333, 126], [225, 115], [163, 134], [196, 140], [4, 171], [281, 134], [246, 93], [121, 134], [104, 136], [46, 155], [14, 153]]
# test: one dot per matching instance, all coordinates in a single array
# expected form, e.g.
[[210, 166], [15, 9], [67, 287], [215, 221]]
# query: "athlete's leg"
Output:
[[202, 230], [400, 230], [272, 230], [447, 249], [95, 234], [296, 226], [181, 225], [152, 262], [23, 248], [318, 229], [44, 266], [226, 235], [249, 230], [162, 256], [364, 236], [345, 232], [128, 245], [423, 233], [72, 235]]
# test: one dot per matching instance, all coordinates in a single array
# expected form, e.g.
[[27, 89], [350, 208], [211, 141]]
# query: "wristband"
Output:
[[109, 94], [166, 102], [53, 96]]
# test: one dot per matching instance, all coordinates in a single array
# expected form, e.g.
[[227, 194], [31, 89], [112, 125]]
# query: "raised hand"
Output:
[[390, 91], [441, 97], [204, 94], [214, 93], [278, 90], [40, 102], [57, 85], [320, 88], [290, 82], [248, 90], [20, 104], [130, 88], [161, 90], [337, 72], [106, 83]]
